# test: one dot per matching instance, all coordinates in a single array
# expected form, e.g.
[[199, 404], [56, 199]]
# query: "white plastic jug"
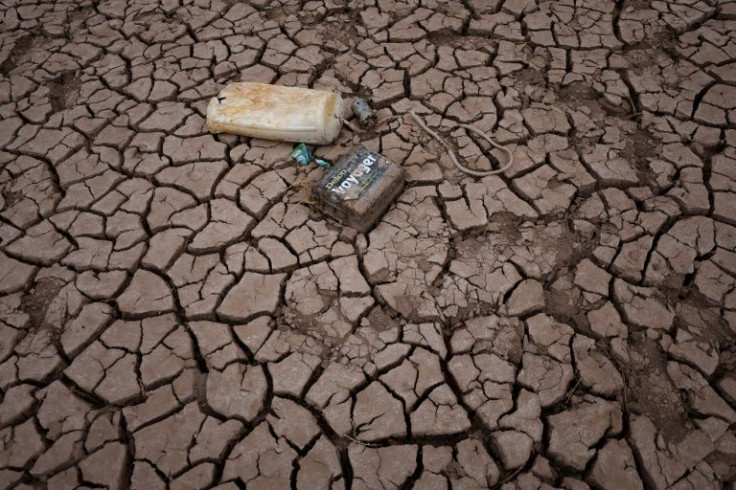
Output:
[[277, 113]]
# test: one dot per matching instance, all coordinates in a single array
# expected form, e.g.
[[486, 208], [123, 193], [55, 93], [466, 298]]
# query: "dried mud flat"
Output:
[[175, 314]]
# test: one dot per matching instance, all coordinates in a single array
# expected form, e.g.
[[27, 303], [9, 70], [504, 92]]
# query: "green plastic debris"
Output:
[[303, 155]]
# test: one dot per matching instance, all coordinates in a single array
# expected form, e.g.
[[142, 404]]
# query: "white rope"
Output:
[[433, 134], [462, 168]]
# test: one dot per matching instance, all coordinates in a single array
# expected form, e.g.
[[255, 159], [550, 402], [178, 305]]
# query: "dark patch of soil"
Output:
[[704, 322], [658, 50], [474, 309], [561, 304], [564, 303], [63, 91], [400, 12], [579, 94], [640, 147], [446, 37], [21, 48], [469, 246], [571, 248], [309, 18], [649, 389], [530, 76], [36, 301], [149, 17], [640, 58], [342, 30], [281, 12], [12, 198], [706, 319], [637, 4], [80, 13], [566, 306], [726, 365], [77, 19], [380, 320], [507, 225]]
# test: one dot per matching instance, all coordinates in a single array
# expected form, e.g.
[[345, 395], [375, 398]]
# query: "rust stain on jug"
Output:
[[275, 112]]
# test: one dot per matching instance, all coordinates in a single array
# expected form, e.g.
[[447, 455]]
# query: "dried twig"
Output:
[[508, 478], [366, 444], [572, 390], [623, 375]]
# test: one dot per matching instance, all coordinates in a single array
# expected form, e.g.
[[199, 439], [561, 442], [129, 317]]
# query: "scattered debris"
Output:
[[359, 189], [276, 112], [304, 156], [364, 113]]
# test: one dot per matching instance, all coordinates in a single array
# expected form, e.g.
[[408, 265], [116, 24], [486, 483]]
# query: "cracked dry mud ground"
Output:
[[174, 313]]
